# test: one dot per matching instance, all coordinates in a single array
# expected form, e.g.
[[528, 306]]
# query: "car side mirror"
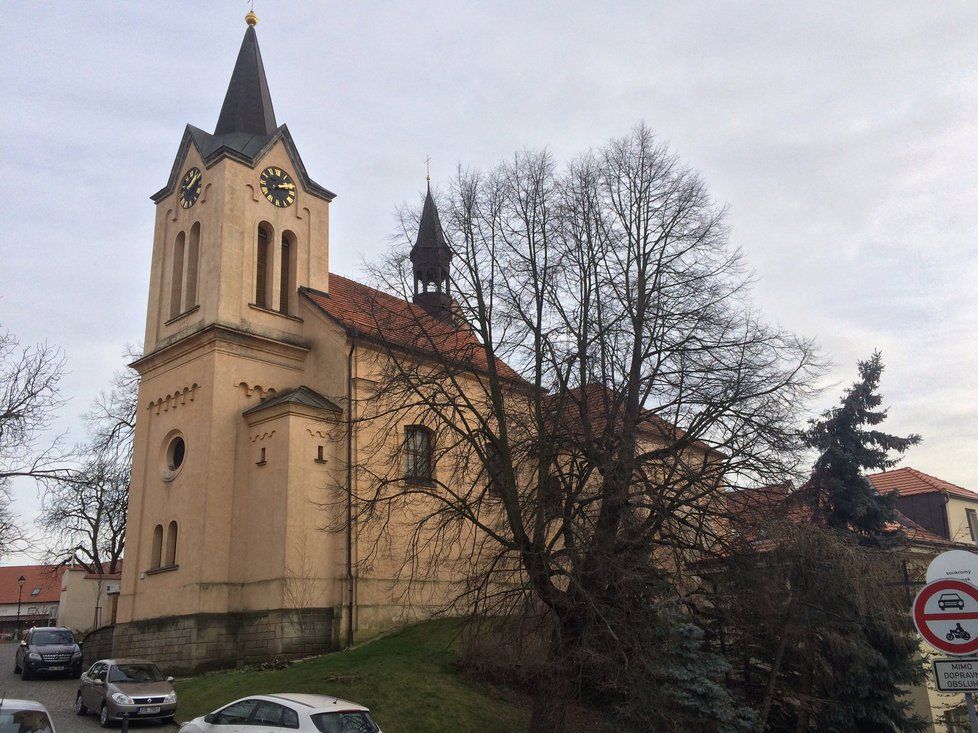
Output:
[[210, 718], [169, 679], [98, 682], [23, 642]]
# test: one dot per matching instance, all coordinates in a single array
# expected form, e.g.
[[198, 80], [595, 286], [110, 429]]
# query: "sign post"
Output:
[[945, 613]]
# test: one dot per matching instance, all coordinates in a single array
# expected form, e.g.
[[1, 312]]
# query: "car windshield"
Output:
[[348, 722], [49, 638], [24, 721], [141, 672]]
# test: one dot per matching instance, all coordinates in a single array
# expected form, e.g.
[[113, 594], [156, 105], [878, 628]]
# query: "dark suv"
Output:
[[48, 649]]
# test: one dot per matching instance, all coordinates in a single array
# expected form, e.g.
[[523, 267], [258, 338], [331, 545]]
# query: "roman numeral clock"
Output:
[[277, 186]]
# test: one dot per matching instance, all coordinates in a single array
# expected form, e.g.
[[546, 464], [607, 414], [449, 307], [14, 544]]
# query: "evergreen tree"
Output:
[[848, 444], [815, 611], [861, 661]]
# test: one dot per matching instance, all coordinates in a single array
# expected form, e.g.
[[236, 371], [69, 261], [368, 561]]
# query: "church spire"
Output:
[[431, 259], [248, 104]]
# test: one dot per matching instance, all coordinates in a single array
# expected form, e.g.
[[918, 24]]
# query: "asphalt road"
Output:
[[57, 694]]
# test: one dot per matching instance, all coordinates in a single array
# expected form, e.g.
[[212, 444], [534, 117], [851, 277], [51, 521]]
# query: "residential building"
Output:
[[34, 602]]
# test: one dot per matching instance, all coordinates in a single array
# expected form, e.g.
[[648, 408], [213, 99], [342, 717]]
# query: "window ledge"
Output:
[[419, 481], [162, 569], [319, 460], [182, 315], [260, 463], [274, 312]]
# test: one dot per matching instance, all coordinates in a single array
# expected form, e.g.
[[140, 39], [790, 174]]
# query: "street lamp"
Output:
[[20, 581]]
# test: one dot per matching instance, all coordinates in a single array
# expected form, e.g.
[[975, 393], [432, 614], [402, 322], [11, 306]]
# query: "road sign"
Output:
[[946, 615], [956, 675], [955, 564]]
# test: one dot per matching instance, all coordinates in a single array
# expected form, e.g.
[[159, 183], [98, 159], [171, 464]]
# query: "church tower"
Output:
[[431, 260], [230, 445]]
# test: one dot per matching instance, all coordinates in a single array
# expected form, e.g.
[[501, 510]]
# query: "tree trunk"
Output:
[[553, 690]]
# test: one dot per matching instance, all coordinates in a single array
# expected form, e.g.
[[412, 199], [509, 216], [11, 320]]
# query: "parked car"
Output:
[[24, 716], [48, 649], [113, 688], [287, 711]]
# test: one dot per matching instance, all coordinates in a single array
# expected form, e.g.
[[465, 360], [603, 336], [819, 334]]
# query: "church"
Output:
[[252, 368]]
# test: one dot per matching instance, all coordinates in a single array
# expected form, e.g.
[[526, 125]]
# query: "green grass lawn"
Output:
[[408, 680]]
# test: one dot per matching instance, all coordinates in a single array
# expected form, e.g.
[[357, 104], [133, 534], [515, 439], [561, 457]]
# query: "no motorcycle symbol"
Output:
[[946, 615]]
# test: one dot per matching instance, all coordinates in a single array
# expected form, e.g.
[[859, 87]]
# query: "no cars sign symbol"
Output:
[[946, 615]]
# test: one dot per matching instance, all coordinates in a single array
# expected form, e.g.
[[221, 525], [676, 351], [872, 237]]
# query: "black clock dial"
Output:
[[190, 188], [277, 186]]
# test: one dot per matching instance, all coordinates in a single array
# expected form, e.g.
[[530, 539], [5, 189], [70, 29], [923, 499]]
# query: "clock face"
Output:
[[277, 186], [190, 188]]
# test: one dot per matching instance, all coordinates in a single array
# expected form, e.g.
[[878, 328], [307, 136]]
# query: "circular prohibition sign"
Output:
[[945, 613]]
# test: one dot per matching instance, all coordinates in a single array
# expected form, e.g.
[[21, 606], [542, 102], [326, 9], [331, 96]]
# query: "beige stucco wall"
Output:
[[80, 596], [957, 519]]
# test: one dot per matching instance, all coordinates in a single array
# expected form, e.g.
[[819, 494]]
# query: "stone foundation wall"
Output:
[[198, 642], [97, 645]]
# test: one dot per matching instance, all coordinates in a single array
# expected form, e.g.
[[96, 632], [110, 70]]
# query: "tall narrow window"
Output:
[[494, 467], [417, 452], [193, 255], [261, 275], [157, 559], [176, 277], [286, 276], [972, 523], [171, 544]]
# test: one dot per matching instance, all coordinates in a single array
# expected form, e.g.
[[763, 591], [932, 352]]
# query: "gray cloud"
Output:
[[842, 136]]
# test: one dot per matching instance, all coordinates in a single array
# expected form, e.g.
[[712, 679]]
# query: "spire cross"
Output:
[[427, 164]]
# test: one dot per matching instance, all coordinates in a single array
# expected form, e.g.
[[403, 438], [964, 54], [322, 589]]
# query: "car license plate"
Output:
[[59, 668], [149, 711]]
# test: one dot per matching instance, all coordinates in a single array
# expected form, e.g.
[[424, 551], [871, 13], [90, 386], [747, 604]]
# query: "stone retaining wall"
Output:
[[185, 644], [97, 645]]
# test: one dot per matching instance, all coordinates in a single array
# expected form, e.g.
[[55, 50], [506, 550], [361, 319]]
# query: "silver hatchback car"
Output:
[[133, 688]]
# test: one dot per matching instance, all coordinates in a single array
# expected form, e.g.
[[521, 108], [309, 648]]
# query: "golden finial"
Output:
[[251, 18], [427, 163]]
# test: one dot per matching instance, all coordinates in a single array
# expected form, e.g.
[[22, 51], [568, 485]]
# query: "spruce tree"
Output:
[[848, 444], [864, 656]]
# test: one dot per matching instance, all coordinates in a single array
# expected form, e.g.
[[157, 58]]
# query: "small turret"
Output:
[[431, 259]]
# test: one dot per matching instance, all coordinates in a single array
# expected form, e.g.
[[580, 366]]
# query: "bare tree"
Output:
[[29, 396], [597, 382], [84, 514]]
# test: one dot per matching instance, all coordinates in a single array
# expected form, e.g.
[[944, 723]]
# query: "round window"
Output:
[[174, 454]]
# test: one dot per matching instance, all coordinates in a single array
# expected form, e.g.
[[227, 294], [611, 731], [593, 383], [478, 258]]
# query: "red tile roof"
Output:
[[46, 578], [594, 402], [393, 321], [750, 509], [909, 482]]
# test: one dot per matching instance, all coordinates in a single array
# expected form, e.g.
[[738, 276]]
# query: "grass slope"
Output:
[[408, 680]]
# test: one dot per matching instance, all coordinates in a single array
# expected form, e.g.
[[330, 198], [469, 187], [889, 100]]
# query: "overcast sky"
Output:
[[843, 138]]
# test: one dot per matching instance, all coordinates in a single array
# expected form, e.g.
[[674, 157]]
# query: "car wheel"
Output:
[[103, 716], [167, 720], [80, 708], [76, 673], [25, 673], [16, 666]]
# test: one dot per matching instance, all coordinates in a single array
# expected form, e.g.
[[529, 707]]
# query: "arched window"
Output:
[[494, 467], [193, 254], [287, 275], [171, 544], [418, 463], [157, 559], [262, 280], [176, 277]]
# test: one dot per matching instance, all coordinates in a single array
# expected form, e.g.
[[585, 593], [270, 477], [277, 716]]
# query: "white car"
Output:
[[27, 716], [286, 711]]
